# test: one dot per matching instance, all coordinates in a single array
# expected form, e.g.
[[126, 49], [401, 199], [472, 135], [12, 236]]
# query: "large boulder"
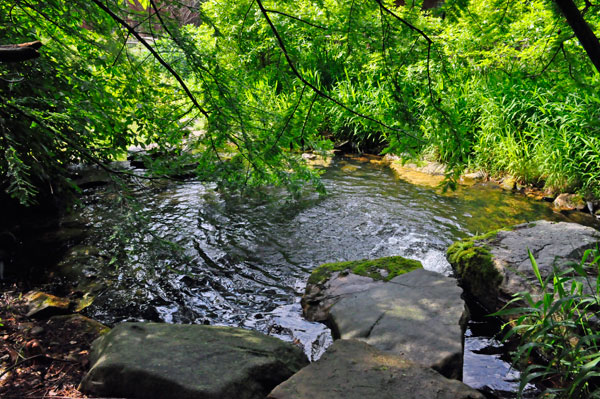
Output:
[[154, 360], [330, 282], [495, 266], [419, 314], [351, 369]]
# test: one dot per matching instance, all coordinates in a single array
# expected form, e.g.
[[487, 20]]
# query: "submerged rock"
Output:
[[85, 324], [495, 266], [318, 160], [352, 369], [508, 183], [419, 314], [569, 202], [154, 360]]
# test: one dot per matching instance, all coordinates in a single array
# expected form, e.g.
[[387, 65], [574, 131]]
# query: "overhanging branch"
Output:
[[157, 56]]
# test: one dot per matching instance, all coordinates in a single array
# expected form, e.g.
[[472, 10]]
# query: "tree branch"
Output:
[[20, 52], [582, 30]]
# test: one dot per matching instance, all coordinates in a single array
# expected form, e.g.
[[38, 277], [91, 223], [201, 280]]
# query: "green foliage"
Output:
[[378, 269], [560, 343], [488, 84], [523, 95]]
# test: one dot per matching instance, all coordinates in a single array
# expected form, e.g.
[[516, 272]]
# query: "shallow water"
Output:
[[244, 262]]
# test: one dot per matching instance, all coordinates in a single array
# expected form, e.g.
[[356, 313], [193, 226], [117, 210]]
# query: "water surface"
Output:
[[244, 261]]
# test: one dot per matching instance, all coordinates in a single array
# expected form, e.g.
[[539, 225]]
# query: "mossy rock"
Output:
[[473, 263], [42, 305], [383, 269]]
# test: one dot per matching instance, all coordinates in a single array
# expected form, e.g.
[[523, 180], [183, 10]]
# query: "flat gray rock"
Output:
[[508, 271], [351, 369], [155, 360], [419, 314], [319, 298]]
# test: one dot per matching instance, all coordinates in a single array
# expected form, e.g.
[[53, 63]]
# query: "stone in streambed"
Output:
[[154, 360], [419, 314], [41, 305], [569, 202], [496, 266], [330, 282], [351, 369]]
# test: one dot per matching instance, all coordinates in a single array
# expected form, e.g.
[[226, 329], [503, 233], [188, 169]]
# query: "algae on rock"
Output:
[[378, 269], [496, 266], [473, 263]]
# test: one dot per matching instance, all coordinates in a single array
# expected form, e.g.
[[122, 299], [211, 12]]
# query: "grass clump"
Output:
[[383, 269]]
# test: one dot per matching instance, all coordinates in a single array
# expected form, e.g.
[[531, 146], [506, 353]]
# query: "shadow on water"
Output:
[[190, 255]]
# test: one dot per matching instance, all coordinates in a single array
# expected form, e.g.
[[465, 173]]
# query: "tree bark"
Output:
[[20, 52], [582, 30]]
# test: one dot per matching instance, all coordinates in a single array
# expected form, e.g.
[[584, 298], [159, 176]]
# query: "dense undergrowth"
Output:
[[493, 85]]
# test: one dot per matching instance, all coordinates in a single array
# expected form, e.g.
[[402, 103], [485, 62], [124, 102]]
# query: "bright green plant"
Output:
[[558, 330]]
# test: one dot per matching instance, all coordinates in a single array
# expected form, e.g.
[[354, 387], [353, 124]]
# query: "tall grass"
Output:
[[558, 329]]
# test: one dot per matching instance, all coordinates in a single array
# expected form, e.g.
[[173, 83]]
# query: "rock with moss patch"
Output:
[[331, 281], [419, 313], [155, 360], [42, 305], [495, 266], [378, 269]]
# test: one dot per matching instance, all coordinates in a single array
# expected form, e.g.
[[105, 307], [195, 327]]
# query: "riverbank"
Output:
[[432, 174], [41, 358]]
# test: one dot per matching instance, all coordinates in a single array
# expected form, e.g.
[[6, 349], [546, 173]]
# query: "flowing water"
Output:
[[191, 255]]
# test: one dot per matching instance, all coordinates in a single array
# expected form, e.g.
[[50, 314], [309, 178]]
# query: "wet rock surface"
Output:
[[352, 369], [419, 314], [495, 267], [569, 202], [154, 360]]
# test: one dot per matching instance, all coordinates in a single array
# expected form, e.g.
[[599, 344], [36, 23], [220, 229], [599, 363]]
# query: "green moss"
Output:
[[472, 261], [378, 269]]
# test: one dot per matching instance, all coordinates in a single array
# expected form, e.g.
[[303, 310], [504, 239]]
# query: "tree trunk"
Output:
[[582, 30], [20, 52]]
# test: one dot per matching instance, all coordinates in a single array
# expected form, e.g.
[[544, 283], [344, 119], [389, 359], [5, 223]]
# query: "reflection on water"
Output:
[[243, 262]]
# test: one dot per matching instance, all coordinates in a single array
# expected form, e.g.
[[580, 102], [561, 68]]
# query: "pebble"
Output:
[[37, 330]]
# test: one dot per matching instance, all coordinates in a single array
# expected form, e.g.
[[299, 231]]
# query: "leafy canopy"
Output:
[[237, 96]]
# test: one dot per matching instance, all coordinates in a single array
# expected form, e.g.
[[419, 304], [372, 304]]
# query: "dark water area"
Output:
[[187, 254]]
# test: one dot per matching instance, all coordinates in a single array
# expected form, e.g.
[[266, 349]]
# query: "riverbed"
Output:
[[184, 253]]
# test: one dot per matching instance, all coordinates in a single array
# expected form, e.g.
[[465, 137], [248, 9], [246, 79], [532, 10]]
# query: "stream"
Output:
[[187, 254]]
